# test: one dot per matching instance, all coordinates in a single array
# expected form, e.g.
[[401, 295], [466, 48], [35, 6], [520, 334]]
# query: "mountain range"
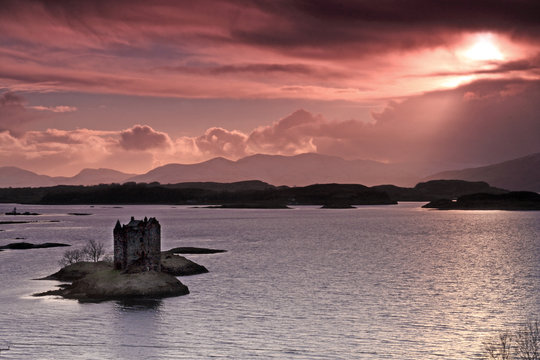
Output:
[[298, 170]]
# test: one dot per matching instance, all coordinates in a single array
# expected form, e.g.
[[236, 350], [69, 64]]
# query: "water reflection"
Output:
[[136, 328], [138, 304]]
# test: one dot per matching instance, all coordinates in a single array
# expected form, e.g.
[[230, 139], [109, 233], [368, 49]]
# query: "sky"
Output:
[[132, 85]]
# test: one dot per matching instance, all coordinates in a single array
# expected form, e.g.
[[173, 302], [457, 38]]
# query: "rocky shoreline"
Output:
[[113, 284]]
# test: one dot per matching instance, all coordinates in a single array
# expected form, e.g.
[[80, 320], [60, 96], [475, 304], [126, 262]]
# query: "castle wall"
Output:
[[137, 245], [119, 247]]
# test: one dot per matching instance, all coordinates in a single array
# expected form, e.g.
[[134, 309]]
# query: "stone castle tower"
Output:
[[137, 245]]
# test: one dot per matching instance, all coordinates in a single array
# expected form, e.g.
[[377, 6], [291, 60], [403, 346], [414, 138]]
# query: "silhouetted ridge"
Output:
[[517, 200], [243, 194], [518, 174]]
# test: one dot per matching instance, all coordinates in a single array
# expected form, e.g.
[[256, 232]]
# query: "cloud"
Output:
[[54, 150], [143, 137], [291, 135], [221, 142], [55, 109], [66, 152]]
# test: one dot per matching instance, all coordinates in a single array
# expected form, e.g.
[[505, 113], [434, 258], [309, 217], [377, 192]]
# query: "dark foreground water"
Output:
[[391, 282]]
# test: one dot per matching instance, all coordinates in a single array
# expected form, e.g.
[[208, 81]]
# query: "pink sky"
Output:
[[132, 85]]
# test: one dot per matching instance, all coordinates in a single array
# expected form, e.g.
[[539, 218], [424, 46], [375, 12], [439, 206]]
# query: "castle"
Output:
[[137, 245]]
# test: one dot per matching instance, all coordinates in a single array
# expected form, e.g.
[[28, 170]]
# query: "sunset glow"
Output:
[[484, 48], [187, 84]]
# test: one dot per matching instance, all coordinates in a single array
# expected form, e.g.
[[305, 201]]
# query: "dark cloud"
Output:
[[143, 137], [383, 26], [13, 114], [332, 27]]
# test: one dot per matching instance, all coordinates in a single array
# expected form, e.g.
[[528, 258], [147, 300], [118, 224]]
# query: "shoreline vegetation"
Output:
[[246, 194]]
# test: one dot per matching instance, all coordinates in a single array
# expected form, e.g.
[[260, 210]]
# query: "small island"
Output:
[[194, 250], [516, 200], [14, 212], [338, 205], [251, 205], [25, 246], [139, 268]]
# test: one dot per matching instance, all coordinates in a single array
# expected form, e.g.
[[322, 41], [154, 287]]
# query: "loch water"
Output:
[[376, 282]]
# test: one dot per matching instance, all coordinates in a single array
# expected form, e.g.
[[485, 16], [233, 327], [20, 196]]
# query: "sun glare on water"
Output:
[[484, 48]]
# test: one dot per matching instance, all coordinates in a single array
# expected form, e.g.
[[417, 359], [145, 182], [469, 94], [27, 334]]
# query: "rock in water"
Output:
[[180, 266], [194, 250]]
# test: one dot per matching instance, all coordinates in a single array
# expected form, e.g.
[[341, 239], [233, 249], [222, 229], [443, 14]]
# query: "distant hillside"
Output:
[[94, 177], [519, 174], [299, 170], [253, 185], [11, 176]]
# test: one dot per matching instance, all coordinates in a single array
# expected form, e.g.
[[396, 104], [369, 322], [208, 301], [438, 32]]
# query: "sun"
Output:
[[484, 48]]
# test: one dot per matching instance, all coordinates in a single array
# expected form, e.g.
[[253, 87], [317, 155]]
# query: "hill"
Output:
[[94, 177], [522, 174], [11, 176]]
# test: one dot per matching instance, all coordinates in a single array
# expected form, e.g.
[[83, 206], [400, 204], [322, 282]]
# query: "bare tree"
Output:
[[71, 257], [500, 348], [528, 342], [93, 250], [523, 344]]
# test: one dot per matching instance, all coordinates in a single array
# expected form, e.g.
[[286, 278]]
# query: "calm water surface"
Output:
[[390, 282]]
